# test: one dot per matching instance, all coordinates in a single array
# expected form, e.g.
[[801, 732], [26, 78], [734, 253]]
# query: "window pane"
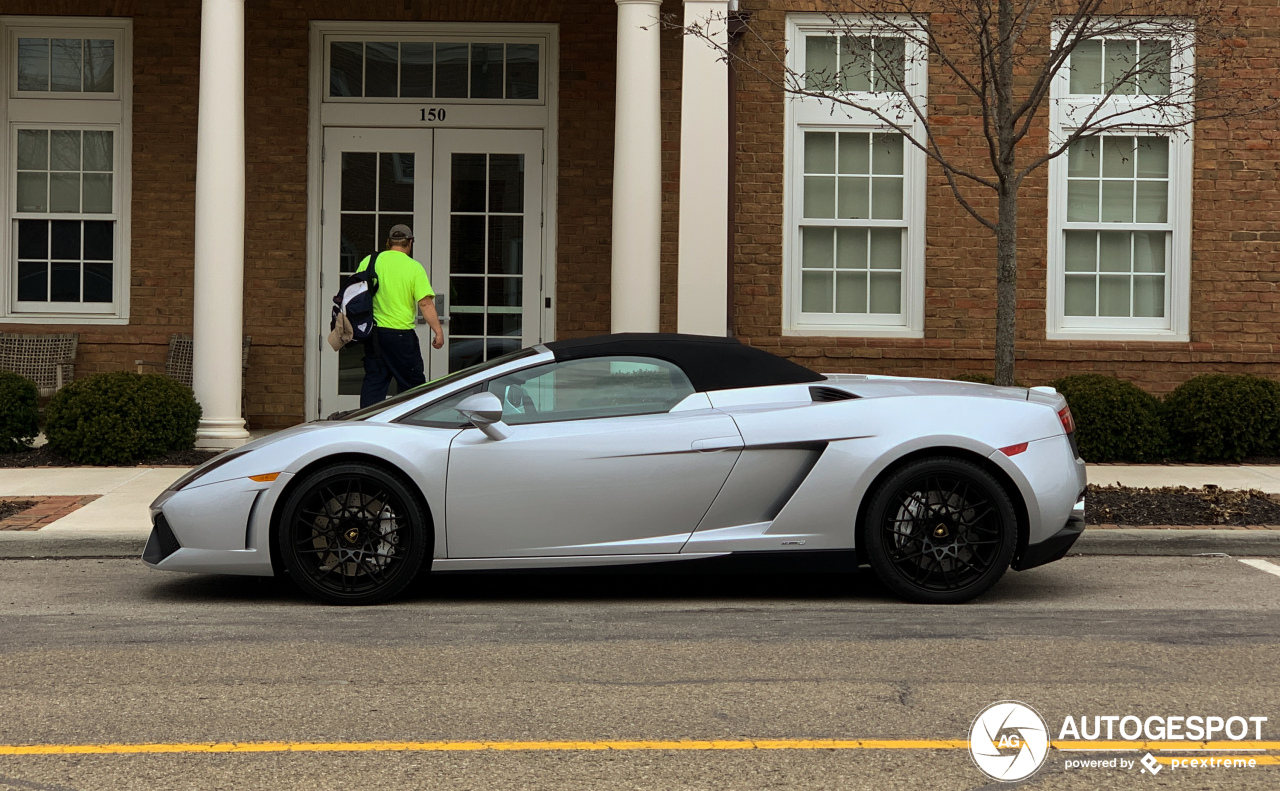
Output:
[[820, 196], [886, 198], [486, 71], [64, 282], [1082, 251], [99, 240], [416, 69], [504, 292], [522, 71], [890, 64], [1117, 157], [65, 75], [1113, 251], [33, 239], [346, 68], [854, 198], [1083, 159], [886, 248], [506, 245], [466, 324], [358, 240], [1152, 201], [819, 152], [817, 248], [851, 292], [820, 63], [33, 149], [1148, 296], [504, 323], [1082, 201], [98, 151], [1120, 65], [33, 281], [64, 192], [97, 193], [451, 71], [65, 151], [66, 240], [886, 154], [1156, 66], [851, 248], [466, 291], [1153, 157], [855, 153], [33, 192], [1081, 295], [359, 181], [1148, 251], [381, 62], [467, 186], [466, 244], [816, 292], [1113, 295], [100, 65], [1117, 201], [855, 63], [395, 182], [506, 183], [97, 283], [33, 64], [1086, 67], [886, 292]]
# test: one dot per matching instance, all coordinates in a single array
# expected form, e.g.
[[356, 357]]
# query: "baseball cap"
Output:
[[400, 232]]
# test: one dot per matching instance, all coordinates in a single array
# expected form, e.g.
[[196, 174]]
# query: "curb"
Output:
[[1183, 543], [27, 546]]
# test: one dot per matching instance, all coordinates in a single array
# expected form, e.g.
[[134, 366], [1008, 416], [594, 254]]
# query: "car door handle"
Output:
[[718, 443]]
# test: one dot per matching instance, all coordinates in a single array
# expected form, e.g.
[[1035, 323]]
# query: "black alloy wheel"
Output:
[[352, 534], [940, 530]]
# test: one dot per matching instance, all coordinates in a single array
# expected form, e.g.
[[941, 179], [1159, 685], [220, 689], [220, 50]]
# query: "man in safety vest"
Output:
[[403, 288]]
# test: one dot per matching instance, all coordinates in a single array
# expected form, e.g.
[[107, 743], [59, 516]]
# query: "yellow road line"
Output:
[[646, 744]]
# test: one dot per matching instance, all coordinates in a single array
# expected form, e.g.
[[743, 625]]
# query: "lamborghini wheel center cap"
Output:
[[351, 534], [940, 531]]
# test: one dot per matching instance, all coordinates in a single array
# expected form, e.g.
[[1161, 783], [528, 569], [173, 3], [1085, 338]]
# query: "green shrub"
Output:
[[1115, 419], [1223, 417], [976, 378], [19, 418], [121, 418]]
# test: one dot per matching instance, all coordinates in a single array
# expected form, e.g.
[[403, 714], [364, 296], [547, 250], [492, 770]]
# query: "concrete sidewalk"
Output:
[[118, 522]]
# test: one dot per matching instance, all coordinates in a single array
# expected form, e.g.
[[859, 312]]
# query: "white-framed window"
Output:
[[853, 258], [453, 69], [1119, 251], [66, 176]]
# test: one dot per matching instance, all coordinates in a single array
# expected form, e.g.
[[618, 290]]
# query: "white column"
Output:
[[637, 170], [219, 232], [703, 281]]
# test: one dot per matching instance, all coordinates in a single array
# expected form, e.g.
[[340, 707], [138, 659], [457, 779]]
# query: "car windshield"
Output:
[[435, 384]]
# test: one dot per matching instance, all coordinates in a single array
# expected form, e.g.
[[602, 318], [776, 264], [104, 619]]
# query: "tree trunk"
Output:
[[1006, 284]]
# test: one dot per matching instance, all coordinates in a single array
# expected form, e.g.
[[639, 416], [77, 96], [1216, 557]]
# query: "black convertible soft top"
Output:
[[710, 362]]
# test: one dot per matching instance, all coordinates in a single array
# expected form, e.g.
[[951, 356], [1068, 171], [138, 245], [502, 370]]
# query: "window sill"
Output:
[[1117, 334], [64, 318], [870, 331]]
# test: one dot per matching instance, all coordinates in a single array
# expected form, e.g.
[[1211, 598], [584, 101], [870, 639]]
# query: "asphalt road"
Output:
[[106, 651]]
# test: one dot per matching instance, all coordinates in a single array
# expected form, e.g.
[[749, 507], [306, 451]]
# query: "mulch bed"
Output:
[[10, 507], [1178, 505], [44, 457]]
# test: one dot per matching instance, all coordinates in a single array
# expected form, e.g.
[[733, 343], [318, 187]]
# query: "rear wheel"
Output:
[[352, 534], [940, 531]]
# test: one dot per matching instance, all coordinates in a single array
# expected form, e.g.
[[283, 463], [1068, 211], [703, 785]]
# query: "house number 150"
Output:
[[432, 114]]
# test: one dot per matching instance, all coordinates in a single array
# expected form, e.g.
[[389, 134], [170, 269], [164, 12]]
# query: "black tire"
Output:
[[352, 534], [940, 530]]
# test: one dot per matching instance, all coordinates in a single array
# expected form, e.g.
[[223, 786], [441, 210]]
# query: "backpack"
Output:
[[352, 318]]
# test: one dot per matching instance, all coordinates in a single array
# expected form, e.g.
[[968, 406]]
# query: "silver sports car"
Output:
[[642, 448]]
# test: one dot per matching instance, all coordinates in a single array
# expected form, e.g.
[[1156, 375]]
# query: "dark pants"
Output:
[[393, 354]]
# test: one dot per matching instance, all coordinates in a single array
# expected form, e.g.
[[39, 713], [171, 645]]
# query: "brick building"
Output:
[[542, 179]]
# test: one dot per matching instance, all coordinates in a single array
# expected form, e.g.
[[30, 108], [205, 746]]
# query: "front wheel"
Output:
[[940, 531], [352, 534]]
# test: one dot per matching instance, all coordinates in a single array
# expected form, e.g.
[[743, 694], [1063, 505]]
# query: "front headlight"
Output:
[[204, 469]]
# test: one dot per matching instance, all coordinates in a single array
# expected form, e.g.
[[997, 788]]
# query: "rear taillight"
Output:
[[1068, 422]]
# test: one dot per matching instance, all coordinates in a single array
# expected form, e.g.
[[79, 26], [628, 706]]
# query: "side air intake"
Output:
[[819, 393], [162, 542]]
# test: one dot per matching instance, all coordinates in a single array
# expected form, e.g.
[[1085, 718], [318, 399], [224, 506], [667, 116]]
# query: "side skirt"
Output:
[[794, 561]]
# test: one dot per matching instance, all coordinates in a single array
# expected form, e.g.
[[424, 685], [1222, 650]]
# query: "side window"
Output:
[[591, 388], [443, 413]]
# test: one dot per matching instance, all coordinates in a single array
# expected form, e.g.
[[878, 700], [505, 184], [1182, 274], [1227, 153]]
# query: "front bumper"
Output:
[[1055, 546]]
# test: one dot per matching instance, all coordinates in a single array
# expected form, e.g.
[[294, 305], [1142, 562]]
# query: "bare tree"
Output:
[[1128, 65]]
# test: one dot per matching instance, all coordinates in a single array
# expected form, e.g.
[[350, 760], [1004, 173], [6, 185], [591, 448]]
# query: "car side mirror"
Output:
[[484, 410]]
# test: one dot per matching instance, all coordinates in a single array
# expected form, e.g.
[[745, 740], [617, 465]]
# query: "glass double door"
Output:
[[474, 201]]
